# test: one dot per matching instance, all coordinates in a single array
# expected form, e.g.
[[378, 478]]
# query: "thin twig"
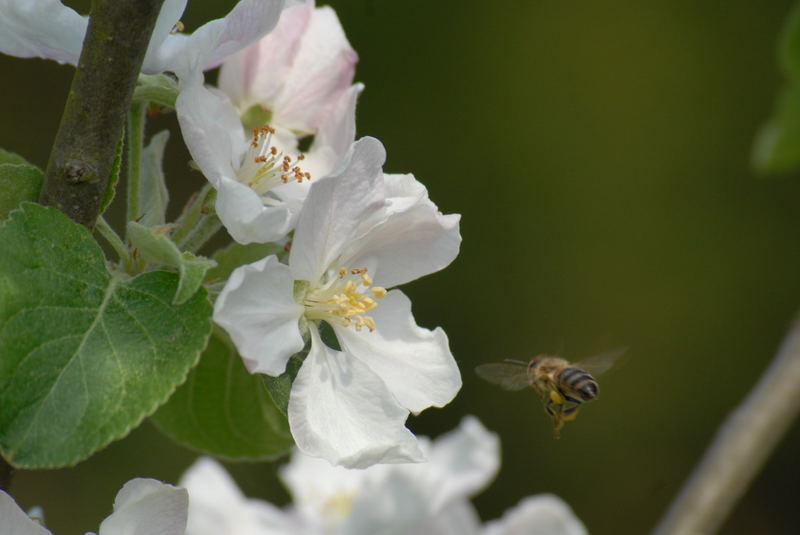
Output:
[[741, 446], [96, 109]]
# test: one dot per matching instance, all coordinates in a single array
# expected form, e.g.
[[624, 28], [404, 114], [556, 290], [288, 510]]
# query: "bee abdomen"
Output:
[[580, 382]]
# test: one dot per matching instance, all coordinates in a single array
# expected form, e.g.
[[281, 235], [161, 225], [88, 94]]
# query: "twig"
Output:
[[741, 446], [97, 105]]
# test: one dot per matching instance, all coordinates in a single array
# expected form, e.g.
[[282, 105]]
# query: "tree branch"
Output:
[[741, 446], [96, 109]]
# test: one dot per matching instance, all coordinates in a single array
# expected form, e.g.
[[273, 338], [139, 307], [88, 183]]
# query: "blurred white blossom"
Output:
[[429, 498], [142, 507], [360, 232]]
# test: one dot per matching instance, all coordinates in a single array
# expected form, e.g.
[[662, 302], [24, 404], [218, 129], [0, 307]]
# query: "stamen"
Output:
[[341, 299], [265, 167]]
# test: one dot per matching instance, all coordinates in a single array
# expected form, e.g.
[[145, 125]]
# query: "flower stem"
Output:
[[741, 446], [191, 214], [114, 240], [136, 120], [94, 116], [205, 229]]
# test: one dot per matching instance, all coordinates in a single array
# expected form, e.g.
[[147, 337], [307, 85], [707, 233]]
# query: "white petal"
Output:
[[254, 75], [216, 40], [258, 310], [414, 239], [147, 507], [323, 69], [14, 519], [335, 135], [468, 459], [341, 411], [211, 129], [217, 506], [41, 28], [544, 514], [415, 363], [337, 209], [458, 518], [246, 218], [170, 14]]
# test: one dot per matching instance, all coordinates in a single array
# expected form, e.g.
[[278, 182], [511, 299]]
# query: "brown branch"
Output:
[[741, 446], [96, 109]]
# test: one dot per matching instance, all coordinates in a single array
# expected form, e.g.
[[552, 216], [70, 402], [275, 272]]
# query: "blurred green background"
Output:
[[599, 154]]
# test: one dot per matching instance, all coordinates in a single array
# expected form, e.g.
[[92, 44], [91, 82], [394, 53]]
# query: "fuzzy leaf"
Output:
[[18, 182], [225, 411], [156, 247], [153, 194], [85, 355], [11, 157]]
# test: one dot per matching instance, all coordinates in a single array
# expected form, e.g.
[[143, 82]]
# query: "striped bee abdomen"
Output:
[[578, 382]]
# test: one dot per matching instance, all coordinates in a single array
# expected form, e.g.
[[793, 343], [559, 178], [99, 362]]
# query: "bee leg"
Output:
[[571, 413]]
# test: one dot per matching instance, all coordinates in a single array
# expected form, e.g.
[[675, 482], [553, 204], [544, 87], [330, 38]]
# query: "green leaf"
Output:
[[111, 187], [280, 387], [777, 145], [225, 411], [18, 182], [153, 194], [158, 88], [85, 355], [156, 247], [236, 254], [11, 157]]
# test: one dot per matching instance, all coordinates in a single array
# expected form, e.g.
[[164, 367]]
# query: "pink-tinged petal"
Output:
[[415, 363], [145, 507], [41, 29], [255, 75], [341, 411], [335, 135], [14, 519], [338, 209], [323, 68], [258, 311], [467, 458], [211, 129], [216, 40], [246, 218], [217, 506], [543, 514], [413, 240]]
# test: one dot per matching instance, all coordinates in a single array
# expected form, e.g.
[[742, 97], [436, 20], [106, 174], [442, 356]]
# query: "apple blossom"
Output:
[[142, 507], [297, 73], [360, 232], [50, 30], [260, 186]]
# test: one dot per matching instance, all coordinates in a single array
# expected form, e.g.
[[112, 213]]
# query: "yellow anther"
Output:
[[379, 292]]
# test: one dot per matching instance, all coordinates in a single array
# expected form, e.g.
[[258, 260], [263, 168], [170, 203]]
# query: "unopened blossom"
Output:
[[360, 232], [297, 73], [50, 30], [261, 186], [142, 507]]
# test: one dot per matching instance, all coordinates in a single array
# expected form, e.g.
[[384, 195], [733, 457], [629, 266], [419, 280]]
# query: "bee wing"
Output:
[[599, 364], [507, 375]]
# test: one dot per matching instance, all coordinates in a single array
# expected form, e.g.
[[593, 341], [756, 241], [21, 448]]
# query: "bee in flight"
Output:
[[563, 386]]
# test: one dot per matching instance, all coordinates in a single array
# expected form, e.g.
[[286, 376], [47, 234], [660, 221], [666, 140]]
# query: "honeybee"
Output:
[[563, 386]]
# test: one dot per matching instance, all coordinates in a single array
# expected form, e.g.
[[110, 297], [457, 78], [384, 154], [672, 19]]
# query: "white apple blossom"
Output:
[[297, 73], [48, 29], [142, 507], [360, 232], [402, 499]]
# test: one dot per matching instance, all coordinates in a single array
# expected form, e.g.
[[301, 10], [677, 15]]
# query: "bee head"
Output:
[[534, 363]]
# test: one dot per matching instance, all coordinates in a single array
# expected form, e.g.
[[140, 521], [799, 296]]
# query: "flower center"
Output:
[[343, 299], [264, 167]]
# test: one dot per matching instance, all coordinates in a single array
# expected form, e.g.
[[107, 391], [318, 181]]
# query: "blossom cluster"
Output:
[[356, 232], [402, 499]]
